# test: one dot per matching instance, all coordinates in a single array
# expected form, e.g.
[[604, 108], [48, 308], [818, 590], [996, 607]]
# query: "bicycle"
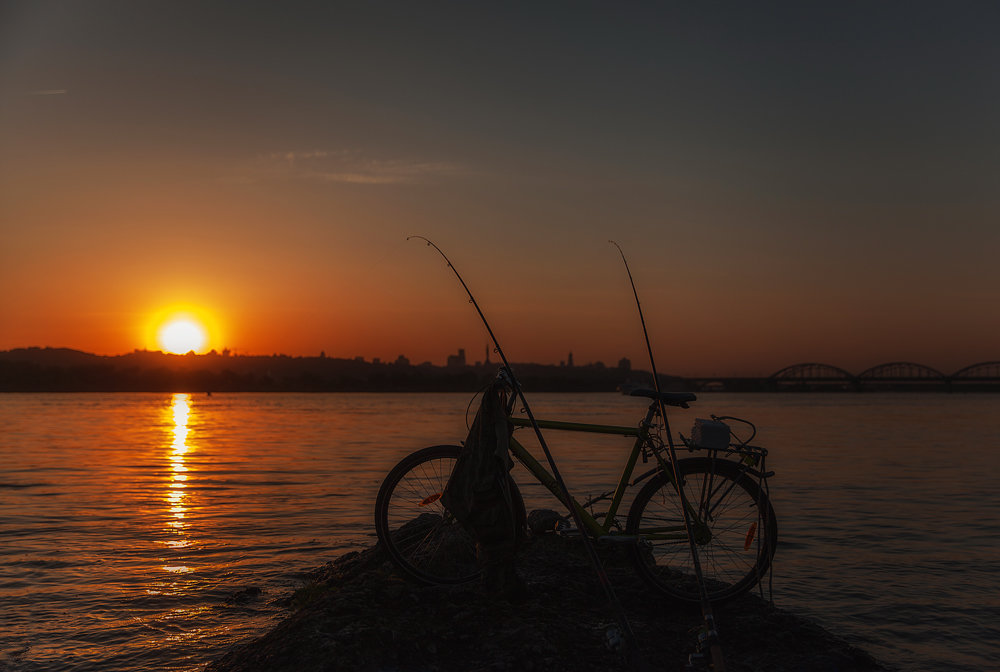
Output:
[[734, 524]]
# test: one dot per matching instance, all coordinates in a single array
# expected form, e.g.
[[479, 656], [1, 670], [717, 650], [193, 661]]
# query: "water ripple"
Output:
[[130, 522]]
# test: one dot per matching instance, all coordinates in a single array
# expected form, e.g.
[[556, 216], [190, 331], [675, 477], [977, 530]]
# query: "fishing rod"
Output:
[[626, 628], [718, 664]]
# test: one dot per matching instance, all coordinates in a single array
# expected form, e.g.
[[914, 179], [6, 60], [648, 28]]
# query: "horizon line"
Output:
[[451, 362]]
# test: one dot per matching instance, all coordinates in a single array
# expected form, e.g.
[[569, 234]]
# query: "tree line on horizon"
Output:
[[67, 370]]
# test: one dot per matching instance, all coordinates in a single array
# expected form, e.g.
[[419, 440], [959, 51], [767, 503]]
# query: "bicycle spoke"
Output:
[[725, 504], [419, 533]]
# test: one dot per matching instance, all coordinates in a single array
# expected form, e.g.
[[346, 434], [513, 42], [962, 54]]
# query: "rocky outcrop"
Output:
[[359, 614]]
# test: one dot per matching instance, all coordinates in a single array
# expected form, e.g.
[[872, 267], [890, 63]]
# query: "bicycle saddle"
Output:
[[668, 398]]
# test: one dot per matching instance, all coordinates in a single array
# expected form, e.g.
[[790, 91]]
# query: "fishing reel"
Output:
[[708, 637]]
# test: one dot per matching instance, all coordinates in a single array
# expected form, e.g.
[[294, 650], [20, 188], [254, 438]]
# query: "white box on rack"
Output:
[[710, 434]]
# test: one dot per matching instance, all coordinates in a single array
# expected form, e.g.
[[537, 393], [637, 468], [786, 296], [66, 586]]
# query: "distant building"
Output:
[[402, 361], [457, 360], [625, 364], [569, 360]]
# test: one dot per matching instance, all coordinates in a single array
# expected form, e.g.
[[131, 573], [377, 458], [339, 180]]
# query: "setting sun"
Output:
[[182, 335], [180, 328]]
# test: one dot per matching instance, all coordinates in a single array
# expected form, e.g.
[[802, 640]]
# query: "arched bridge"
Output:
[[981, 371], [901, 371], [891, 375]]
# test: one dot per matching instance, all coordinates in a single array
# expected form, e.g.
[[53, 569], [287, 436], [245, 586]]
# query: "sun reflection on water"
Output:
[[176, 496]]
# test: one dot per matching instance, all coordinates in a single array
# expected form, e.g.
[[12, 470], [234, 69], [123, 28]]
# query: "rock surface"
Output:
[[360, 614]]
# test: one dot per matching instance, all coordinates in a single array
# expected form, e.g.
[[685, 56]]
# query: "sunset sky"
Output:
[[791, 182]]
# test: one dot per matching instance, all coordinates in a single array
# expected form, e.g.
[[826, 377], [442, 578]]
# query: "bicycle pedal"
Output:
[[564, 529]]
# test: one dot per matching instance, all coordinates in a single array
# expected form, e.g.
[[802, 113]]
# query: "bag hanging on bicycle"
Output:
[[478, 493]]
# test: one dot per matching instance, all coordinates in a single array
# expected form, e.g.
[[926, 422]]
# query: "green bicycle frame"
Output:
[[594, 527]]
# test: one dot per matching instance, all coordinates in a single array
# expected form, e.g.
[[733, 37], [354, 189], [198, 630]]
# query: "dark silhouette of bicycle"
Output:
[[725, 487]]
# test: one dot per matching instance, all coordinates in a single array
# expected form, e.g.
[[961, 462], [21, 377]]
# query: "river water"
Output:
[[131, 524]]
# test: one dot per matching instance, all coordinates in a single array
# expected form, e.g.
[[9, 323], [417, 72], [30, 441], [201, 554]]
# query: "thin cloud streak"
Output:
[[48, 92], [348, 167]]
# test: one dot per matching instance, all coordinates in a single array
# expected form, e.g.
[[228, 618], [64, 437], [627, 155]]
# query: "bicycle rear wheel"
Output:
[[420, 535], [736, 532]]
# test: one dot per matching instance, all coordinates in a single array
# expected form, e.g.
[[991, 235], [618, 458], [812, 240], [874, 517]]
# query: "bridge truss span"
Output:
[[812, 371], [983, 371], [813, 375], [896, 371], [890, 376]]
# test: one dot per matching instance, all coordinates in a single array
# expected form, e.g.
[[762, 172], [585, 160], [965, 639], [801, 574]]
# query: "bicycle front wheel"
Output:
[[735, 530], [418, 532]]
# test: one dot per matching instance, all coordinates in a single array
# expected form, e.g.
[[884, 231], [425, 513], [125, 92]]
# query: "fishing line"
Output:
[[602, 576], [706, 606]]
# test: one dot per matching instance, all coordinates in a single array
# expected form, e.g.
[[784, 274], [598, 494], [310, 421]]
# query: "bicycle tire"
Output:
[[420, 535], [735, 548]]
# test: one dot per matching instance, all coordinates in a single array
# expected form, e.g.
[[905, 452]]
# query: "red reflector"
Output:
[[750, 535], [435, 497]]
